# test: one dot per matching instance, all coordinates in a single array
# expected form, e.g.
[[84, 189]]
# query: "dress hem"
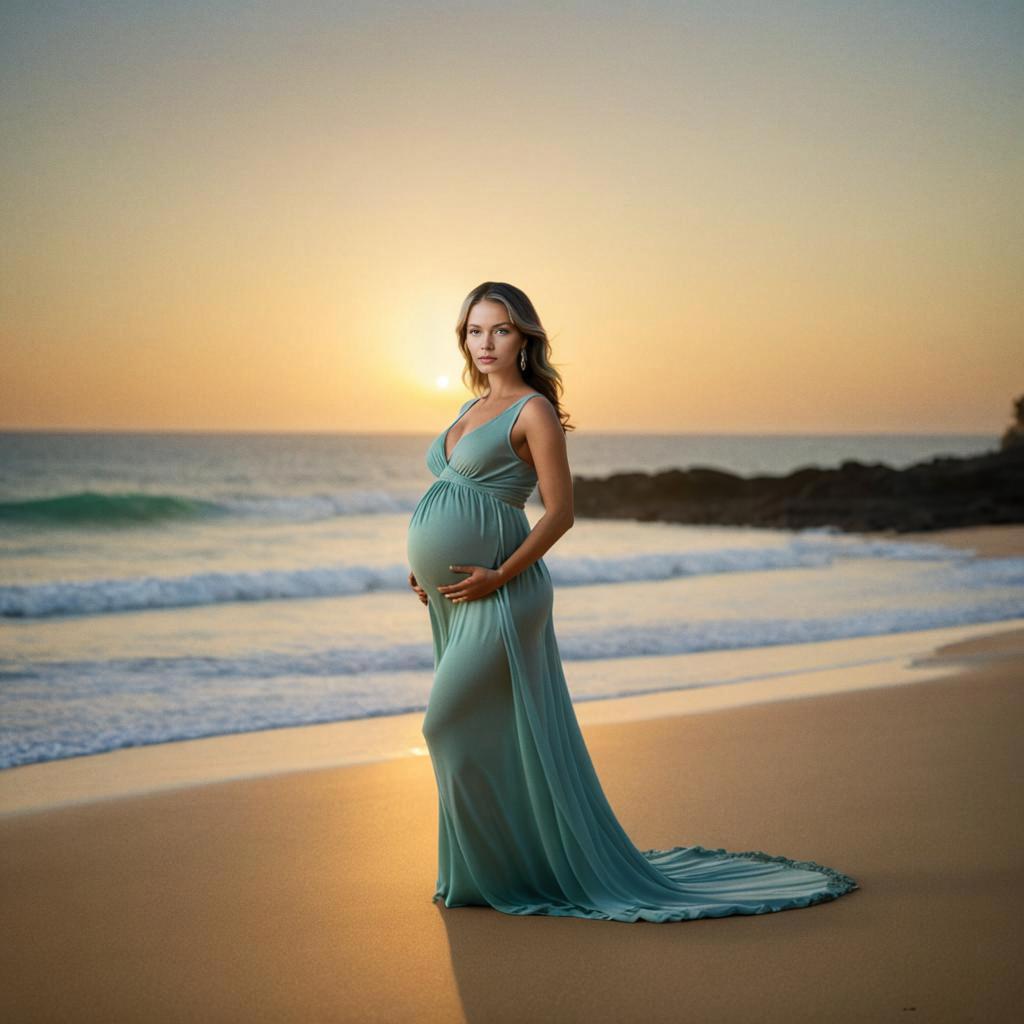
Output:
[[837, 884]]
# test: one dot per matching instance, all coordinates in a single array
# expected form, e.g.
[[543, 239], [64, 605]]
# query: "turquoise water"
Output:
[[159, 587]]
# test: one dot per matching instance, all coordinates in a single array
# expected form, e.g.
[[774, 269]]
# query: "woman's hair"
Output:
[[540, 374]]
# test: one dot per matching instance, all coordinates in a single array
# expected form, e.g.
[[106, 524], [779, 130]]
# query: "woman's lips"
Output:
[[486, 359]]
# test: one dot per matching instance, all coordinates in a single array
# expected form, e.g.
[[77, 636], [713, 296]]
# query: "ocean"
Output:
[[158, 587]]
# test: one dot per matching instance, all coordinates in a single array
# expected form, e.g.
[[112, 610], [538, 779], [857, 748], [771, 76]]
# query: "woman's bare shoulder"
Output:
[[539, 411]]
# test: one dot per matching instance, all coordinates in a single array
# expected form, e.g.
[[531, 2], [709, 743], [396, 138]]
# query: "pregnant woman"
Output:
[[524, 825]]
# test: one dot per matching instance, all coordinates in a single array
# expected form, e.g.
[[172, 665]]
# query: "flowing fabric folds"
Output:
[[523, 823]]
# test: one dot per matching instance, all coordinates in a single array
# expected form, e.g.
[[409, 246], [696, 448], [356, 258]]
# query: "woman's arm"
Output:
[[546, 439]]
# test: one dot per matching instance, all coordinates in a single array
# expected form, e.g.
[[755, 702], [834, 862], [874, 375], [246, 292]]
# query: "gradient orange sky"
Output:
[[785, 217]]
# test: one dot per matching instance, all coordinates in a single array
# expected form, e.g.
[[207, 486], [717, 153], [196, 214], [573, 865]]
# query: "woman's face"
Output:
[[492, 339]]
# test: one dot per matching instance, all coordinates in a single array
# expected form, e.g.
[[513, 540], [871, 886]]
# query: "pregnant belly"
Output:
[[451, 526]]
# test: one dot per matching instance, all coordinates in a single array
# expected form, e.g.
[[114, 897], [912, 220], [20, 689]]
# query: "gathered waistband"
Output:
[[455, 477]]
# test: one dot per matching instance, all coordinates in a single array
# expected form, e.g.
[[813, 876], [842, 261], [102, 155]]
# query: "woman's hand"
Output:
[[420, 592], [479, 583]]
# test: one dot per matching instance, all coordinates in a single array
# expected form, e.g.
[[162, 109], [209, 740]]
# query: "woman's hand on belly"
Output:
[[479, 583], [420, 592]]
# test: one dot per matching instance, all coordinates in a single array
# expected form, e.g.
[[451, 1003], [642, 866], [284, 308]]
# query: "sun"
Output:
[[441, 382]]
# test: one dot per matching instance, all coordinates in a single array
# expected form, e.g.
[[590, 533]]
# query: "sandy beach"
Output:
[[305, 895], [303, 376]]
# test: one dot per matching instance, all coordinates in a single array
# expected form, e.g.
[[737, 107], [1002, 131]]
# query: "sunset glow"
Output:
[[802, 219]]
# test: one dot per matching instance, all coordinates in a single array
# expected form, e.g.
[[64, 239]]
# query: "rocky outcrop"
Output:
[[938, 494], [1014, 434]]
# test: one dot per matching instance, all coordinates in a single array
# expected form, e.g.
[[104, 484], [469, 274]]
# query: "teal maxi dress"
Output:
[[523, 823]]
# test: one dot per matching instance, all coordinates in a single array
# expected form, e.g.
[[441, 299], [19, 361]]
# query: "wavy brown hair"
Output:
[[540, 374]]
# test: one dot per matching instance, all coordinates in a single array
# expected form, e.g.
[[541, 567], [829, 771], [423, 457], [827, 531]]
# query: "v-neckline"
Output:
[[444, 437]]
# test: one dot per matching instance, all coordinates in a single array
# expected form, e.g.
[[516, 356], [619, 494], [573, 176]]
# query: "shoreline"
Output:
[[1002, 541], [758, 676], [748, 677]]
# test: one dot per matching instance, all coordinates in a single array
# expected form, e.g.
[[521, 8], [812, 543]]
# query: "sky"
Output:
[[784, 217]]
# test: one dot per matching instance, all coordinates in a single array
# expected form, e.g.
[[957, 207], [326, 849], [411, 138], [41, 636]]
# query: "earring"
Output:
[[522, 358]]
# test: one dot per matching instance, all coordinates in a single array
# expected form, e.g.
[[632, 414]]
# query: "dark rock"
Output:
[[1015, 432], [937, 494]]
